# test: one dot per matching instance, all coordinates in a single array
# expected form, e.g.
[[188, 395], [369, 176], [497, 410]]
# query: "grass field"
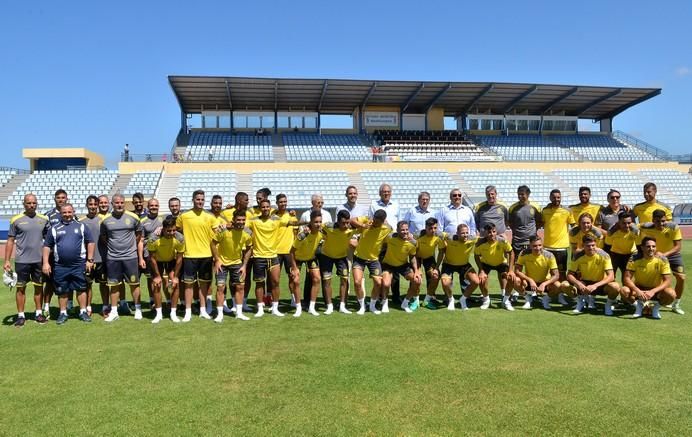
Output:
[[431, 372]]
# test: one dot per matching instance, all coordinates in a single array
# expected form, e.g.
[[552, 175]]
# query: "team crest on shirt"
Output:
[[128, 221], [76, 231], [679, 269]]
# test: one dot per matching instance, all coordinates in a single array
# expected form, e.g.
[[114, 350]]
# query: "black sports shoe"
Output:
[[84, 317], [19, 322], [41, 319], [62, 318]]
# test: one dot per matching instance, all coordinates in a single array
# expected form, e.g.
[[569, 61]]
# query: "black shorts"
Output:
[[284, 260], [449, 270], [676, 264], [402, 270], [126, 270], [327, 265], [519, 247], [165, 267], [145, 271], [261, 266], [311, 264], [619, 261], [560, 258], [29, 272], [373, 267], [500, 268], [428, 265], [233, 271], [69, 278], [97, 274], [599, 291], [197, 269]]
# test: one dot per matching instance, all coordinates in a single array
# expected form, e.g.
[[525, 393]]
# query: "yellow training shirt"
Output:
[[665, 239], [398, 251], [371, 240], [264, 233], [427, 245], [165, 249], [648, 273], [198, 229], [306, 245], [622, 243], [336, 241], [556, 223], [644, 211], [493, 253], [285, 235], [538, 267], [231, 245], [580, 209], [591, 268], [458, 252]]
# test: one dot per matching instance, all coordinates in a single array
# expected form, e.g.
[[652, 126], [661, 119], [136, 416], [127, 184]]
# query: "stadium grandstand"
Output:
[[241, 134]]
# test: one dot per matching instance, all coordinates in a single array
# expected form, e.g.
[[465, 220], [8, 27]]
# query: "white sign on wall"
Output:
[[388, 119]]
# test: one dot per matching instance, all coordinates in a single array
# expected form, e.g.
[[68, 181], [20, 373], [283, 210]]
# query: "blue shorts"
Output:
[[197, 269], [69, 278], [232, 271], [261, 266]]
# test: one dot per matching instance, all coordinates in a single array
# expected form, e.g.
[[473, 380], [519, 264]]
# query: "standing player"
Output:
[[648, 279], [556, 225], [541, 276], [429, 241], [198, 226], [284, 241], [151, 226], [372, 235], [165, 261], [621, 242], [174, 207], [304, 251], [669, 244], [232, 249], [335, 253], [591, 273], [493, 252], [644, 211], [26, 235], [73, 249], [608, 215], [138, 205], [584, 205], [122, 233], [400, 259], [60, 198], [97, 273], [524, 220], [492, 211]]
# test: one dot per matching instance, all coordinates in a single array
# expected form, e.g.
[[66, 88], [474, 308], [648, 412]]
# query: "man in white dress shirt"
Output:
[[456, 213], [317, 201], [392, 209], [417, 215]]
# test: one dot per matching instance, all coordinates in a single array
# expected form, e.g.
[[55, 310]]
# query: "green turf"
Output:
[[431, 372]]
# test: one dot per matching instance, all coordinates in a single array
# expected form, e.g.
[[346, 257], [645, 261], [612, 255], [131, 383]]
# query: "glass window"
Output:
[[473, 124], [486, 124], [310, 122], [194, 121], [497, 124], [253, 121], [511, 124], [239, 122], [547, 124], [296, 122], [283, 122], [450, 123], [534, 124], [225, 121], [268, 121], [210, 121], [336, 121], [522, 125]]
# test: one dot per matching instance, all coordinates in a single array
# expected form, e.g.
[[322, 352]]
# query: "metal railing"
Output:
[[642, 145]]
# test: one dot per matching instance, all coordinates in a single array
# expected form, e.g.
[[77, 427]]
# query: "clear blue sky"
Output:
[[85, 75]]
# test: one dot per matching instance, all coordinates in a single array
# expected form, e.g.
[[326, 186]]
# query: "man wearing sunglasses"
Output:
[[456, 213]]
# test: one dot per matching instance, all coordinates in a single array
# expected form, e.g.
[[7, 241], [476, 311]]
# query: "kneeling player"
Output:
[[591, 273], [334, 253], [428, 241], [541, 275], [456, 255], [495, 253], [400, 258], [165, 262], [647, 278], [304, 252], [232, 249]]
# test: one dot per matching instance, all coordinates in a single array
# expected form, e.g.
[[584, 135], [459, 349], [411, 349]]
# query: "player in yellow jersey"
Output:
[[585, 227], [284, 239], [372, 235], [537, 274], [231, 249], [621, 242], [429, 241], [165, 261], [304, 251], [648, 279], [400, 258], [198, 226], [335, 247], [456, 254], [591, 273], [584, 205], [557, 222], [495, 253], [241, 203], [644, 210], [265, 263], [669, 244]]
